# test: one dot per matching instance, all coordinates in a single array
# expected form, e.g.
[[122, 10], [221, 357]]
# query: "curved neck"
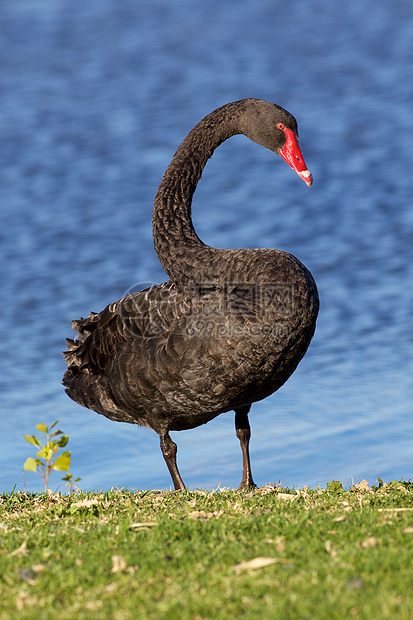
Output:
[[185, 258]]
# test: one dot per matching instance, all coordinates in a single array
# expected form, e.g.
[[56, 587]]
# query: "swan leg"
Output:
[[169, 450], [243, 431]]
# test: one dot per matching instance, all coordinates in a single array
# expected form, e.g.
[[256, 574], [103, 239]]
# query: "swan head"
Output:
[[276, 129]]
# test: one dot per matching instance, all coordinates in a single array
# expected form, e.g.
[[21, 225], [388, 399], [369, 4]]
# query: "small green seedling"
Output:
[[47, 459], [69, 481]]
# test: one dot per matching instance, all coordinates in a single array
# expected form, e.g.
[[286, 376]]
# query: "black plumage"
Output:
[[227, 329]]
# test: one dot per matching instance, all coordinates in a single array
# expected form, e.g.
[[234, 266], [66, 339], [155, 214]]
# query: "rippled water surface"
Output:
[[95, 99]]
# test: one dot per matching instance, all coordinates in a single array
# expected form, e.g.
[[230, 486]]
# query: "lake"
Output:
[[95, 99]]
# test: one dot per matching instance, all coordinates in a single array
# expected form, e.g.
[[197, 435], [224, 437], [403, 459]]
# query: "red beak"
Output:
[[292, 154]]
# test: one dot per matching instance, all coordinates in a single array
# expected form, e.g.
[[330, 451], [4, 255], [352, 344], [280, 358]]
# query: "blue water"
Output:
[[95, 98]]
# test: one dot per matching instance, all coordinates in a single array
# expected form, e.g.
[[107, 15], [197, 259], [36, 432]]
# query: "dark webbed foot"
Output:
[[243, 431], [169, 450]]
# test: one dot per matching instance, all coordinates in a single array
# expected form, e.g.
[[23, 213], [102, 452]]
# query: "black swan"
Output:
[[227, 329]]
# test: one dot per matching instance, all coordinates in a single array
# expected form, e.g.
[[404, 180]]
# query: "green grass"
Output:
[[336, 554]]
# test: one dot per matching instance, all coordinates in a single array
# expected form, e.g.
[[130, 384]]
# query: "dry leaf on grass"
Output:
[[339, 518], [143, 526], [160, 496], [330, 549], [394, 509], [259, 563], [93, 605], [278, 541], [85, 503], [204, 516], [403, 489], [118, 564], [269, 488], [408, 530], [20, 550], [362, 486], [286, 496], [371, 541]]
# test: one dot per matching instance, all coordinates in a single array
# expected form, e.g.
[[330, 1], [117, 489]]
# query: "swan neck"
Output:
[[185, 258]]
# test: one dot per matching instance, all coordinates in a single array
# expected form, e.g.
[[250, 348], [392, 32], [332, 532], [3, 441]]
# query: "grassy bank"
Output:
[[270, 553]]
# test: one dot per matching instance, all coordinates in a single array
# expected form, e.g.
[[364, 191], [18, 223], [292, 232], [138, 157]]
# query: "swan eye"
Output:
[[281, 126]]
